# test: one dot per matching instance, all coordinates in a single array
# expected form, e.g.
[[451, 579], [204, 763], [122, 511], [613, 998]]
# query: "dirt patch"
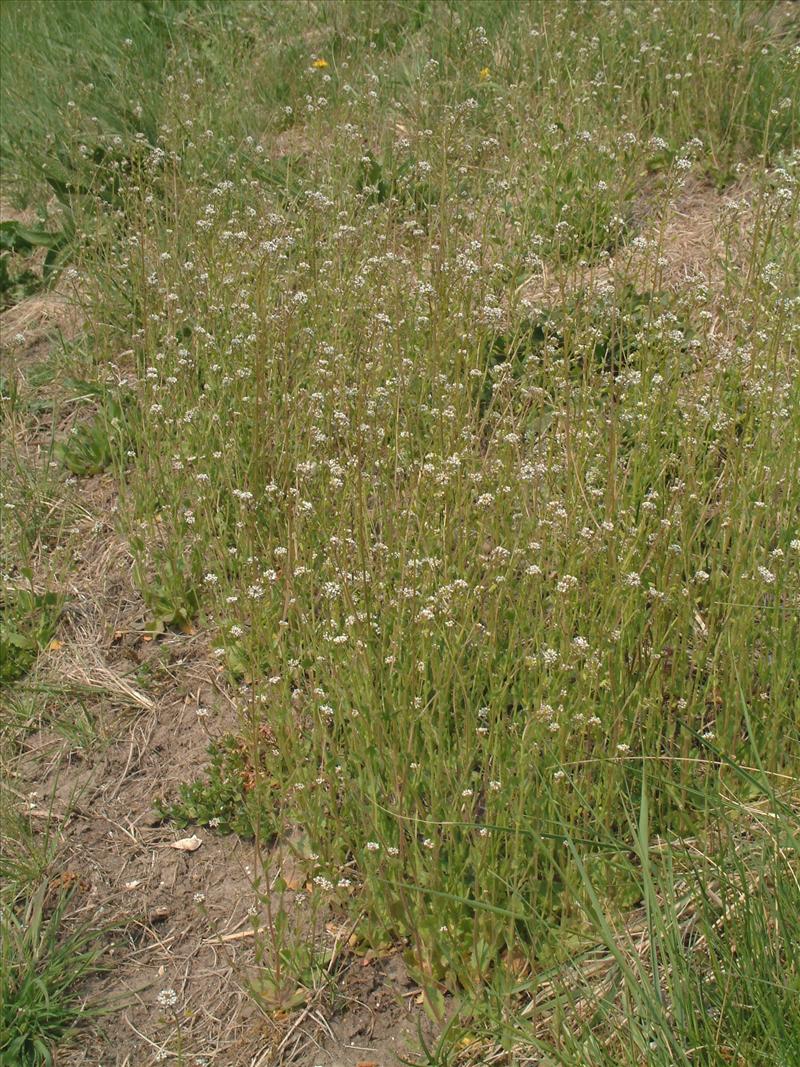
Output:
[[165, 910], [378, 1019], [294, 142], [699, 236], [781, 19]]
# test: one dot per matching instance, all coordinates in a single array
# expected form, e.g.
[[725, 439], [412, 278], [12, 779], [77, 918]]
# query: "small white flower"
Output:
[[167, 998]]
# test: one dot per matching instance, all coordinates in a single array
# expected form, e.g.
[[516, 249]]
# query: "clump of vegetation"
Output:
[[222, 799], [456, 400], [17, 242], [44, 962], [27, 623], [96, 443]]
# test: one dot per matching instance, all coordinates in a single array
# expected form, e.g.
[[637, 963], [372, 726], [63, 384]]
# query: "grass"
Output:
[[422, 405], [43, 966]]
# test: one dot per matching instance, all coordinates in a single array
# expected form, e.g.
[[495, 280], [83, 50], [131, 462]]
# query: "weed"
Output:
[[92, 446], [44, 963], [17, 241], [220, 799], [170, 594], [27, 623]]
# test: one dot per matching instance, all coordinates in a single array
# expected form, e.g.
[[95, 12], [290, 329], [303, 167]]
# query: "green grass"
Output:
[[491, 512], [43, 965]]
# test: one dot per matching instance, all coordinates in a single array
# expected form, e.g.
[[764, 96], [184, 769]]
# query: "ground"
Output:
[[399, 590]]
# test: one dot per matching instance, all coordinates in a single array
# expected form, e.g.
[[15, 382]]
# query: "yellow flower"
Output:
[[484, 74], [320, 64]]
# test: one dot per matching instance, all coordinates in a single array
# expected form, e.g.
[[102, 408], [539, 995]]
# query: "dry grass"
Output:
[[701, 237]]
